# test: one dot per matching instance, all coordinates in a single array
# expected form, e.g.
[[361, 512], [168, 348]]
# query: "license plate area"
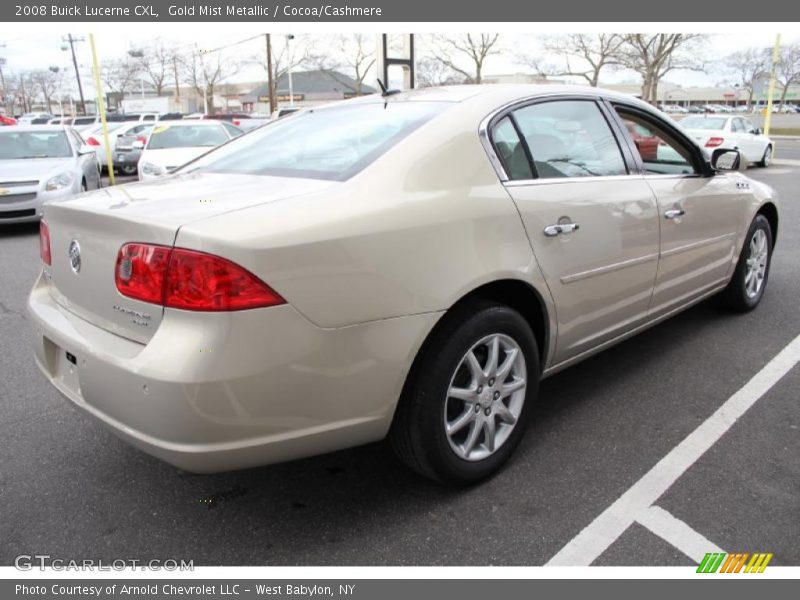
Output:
[[66, 371]]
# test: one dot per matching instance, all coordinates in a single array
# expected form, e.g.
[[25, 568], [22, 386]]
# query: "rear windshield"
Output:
[[84, 120], [33, 144], [186, 136], [331, 143], [703, 123]]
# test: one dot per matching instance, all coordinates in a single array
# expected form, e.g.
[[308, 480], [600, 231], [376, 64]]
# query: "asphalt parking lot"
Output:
[[70, 489]]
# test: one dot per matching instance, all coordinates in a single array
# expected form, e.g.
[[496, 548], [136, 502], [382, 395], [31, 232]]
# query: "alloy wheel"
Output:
[[756, 263], [485, 397]]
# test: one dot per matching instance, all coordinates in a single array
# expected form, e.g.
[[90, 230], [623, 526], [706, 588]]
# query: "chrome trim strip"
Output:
[[562, 180], [609, 268], [700, 244]]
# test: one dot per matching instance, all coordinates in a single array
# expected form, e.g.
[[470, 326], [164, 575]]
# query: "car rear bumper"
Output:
[[219, 391]]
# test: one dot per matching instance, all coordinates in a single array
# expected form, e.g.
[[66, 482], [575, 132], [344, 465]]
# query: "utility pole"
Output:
[[72, 40], [177, 83], [270, 83]]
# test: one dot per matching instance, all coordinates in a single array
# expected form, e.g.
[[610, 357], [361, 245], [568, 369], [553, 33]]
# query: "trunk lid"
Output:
[[96, 225]]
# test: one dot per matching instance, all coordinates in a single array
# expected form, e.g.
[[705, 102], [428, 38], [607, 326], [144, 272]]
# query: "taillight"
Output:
[[714, 142], [141, 138], [236, 122], [92, 142], [44, 242], [190, 280]]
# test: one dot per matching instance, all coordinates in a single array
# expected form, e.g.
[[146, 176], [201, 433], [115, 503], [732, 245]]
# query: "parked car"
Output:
[[28, 118], [407, 266], [734, 133], [94, 137], [39, 163], [5, 120], [126, 157], [695, 109], [128, 117], [85, 122], [174, 143]]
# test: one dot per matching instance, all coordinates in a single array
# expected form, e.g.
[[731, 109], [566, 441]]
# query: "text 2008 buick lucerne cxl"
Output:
[[407, 266]]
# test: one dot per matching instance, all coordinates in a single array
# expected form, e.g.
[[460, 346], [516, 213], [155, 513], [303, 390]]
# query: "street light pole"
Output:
[[72, 40], [289, 60], [270, 83]]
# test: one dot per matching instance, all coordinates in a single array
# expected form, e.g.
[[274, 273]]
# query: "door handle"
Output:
[[674, 213], [554, 230]]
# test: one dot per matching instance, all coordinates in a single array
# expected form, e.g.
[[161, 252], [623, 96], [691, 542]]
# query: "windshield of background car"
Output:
[[186, 136], [332, 143], [34, 144], [703, 123]]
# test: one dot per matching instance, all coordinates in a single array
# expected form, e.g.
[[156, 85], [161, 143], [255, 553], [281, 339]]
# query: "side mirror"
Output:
[[86, 149], [757, 131], [138, 145], [723, 159]]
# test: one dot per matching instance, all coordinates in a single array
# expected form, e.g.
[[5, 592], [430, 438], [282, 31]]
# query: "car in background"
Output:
[[172, 144], [85, 122], [5, 121], [644, 140], [41, 121], [28, 118], [39, 163], [243, 121], [128, 117], [733, 133], [675, 108], [126, 157], [694, 109], [93, 136]]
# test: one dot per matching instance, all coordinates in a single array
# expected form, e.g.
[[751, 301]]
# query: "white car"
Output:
[[732, 133], [172, 144], [40, 163], [29, 118], [85, 122], [116, 129]]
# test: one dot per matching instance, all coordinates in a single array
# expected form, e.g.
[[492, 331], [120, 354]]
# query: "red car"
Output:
[[646, 142], [4, 120]]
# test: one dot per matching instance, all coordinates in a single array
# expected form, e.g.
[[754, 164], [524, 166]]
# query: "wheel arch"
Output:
[[770, 211]]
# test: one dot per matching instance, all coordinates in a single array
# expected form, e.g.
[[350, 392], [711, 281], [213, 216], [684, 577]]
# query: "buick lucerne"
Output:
[[407, 266]]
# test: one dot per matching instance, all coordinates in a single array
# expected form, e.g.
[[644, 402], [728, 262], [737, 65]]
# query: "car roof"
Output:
[[499, 94], [190, 122], [29, 128]]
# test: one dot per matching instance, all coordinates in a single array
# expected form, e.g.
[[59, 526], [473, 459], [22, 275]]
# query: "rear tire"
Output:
[[746, 287], [462, 439], [766, 160]]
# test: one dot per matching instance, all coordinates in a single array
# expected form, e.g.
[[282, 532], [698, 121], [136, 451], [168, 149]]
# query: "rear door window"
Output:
[[570, 138]]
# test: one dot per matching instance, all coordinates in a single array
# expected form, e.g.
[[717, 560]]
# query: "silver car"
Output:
[[42, 163], [407, 266]]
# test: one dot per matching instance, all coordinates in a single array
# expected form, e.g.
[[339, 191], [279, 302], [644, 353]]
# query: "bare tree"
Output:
[[20, 90], [748, 66], [352, 54], [159, 63], [44, 82], [205, 72], [431, 73], [787, 71], [582, 55], [473, 48], [300, 56], [122, 75], [653, 56]]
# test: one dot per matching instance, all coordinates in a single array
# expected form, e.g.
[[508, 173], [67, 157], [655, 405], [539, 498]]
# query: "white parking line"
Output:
[[676, 532], [590, 543], [788, 162]]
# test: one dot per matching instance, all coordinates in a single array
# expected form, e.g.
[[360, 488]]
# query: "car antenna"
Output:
[[386, 91]]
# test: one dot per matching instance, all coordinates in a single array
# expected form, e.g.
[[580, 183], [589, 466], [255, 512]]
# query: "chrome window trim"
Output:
[[485, 124], [556, 180]]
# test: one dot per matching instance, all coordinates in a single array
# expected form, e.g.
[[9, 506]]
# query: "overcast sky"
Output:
[[41, 49]]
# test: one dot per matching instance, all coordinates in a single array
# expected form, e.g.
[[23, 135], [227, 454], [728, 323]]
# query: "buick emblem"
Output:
[[75, 256]]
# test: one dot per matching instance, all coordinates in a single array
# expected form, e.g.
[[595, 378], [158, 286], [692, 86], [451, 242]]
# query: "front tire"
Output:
[[766, 160], [746, 287], [469, 396]]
